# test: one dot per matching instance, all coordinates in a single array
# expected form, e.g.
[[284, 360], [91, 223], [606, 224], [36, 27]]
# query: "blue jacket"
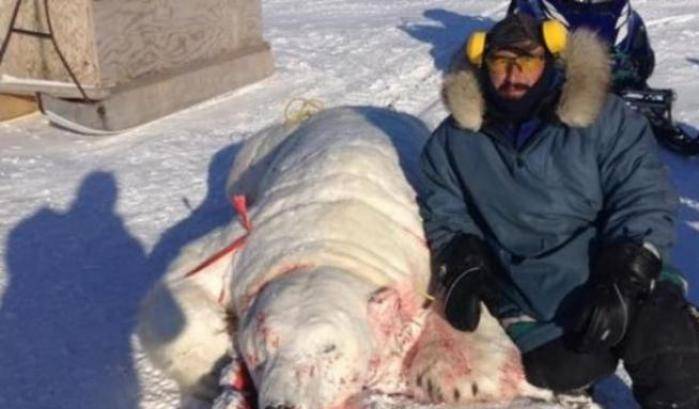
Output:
[[587, 175]]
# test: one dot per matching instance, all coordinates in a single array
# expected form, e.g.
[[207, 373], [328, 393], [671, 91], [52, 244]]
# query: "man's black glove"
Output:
[[461, 269], [622, 275]]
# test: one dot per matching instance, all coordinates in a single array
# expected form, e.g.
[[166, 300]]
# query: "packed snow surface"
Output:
[[89, 224]]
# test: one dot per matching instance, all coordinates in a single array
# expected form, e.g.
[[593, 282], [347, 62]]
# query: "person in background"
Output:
[[615, 22]]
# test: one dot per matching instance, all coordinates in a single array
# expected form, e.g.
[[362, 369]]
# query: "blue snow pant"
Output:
[[660, 352]]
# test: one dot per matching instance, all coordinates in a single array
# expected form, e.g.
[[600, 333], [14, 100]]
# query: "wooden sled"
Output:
[[149, 98]]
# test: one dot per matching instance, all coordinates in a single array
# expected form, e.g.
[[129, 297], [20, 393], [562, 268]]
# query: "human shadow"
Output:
[[447, 35], [214, 211], [75, 279], [398, 131]]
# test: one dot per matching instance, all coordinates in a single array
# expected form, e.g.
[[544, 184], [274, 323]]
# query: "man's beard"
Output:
[[508, 87], [522, 108]]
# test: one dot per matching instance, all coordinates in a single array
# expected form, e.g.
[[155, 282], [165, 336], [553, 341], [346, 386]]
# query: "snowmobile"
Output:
[[633, 60], [656, 105]]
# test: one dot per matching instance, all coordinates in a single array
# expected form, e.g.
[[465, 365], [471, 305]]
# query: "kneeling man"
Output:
[[545, 199]]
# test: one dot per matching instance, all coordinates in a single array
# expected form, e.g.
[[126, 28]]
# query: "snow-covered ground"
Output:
[[88, 224]]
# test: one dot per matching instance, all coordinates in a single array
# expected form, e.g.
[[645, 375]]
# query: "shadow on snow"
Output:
[[446, 32], [75, 282]]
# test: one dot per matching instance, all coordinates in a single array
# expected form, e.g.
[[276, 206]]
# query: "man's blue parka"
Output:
[[587, 175]]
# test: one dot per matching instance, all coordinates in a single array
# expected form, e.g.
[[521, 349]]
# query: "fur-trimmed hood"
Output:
[[587, 69]]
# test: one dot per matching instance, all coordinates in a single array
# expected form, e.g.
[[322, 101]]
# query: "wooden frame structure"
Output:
[[132, 61]]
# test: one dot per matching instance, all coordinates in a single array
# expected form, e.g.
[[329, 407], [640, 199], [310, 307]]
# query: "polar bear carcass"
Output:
[[329, 290]]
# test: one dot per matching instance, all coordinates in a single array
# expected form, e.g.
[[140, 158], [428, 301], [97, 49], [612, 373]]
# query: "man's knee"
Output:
[[665, 381], [561, 369], [661, 351], [664, 324]]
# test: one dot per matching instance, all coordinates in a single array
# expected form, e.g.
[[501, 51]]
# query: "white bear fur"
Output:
[[329, 288]]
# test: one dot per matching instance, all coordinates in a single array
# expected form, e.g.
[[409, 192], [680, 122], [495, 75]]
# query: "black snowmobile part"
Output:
[[656, 106]]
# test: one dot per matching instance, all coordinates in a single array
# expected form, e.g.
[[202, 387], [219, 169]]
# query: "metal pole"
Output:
[[6, 40], [60, 54]]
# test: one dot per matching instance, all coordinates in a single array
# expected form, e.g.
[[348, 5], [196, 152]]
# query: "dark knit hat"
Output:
[[517, 32]]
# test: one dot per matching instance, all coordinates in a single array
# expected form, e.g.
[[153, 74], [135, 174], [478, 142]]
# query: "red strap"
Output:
[[237, 244], [240, 205], [243, 382]]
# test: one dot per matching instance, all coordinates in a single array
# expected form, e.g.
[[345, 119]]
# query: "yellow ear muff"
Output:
[[555, 36], [476, 47], [554, 32]]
